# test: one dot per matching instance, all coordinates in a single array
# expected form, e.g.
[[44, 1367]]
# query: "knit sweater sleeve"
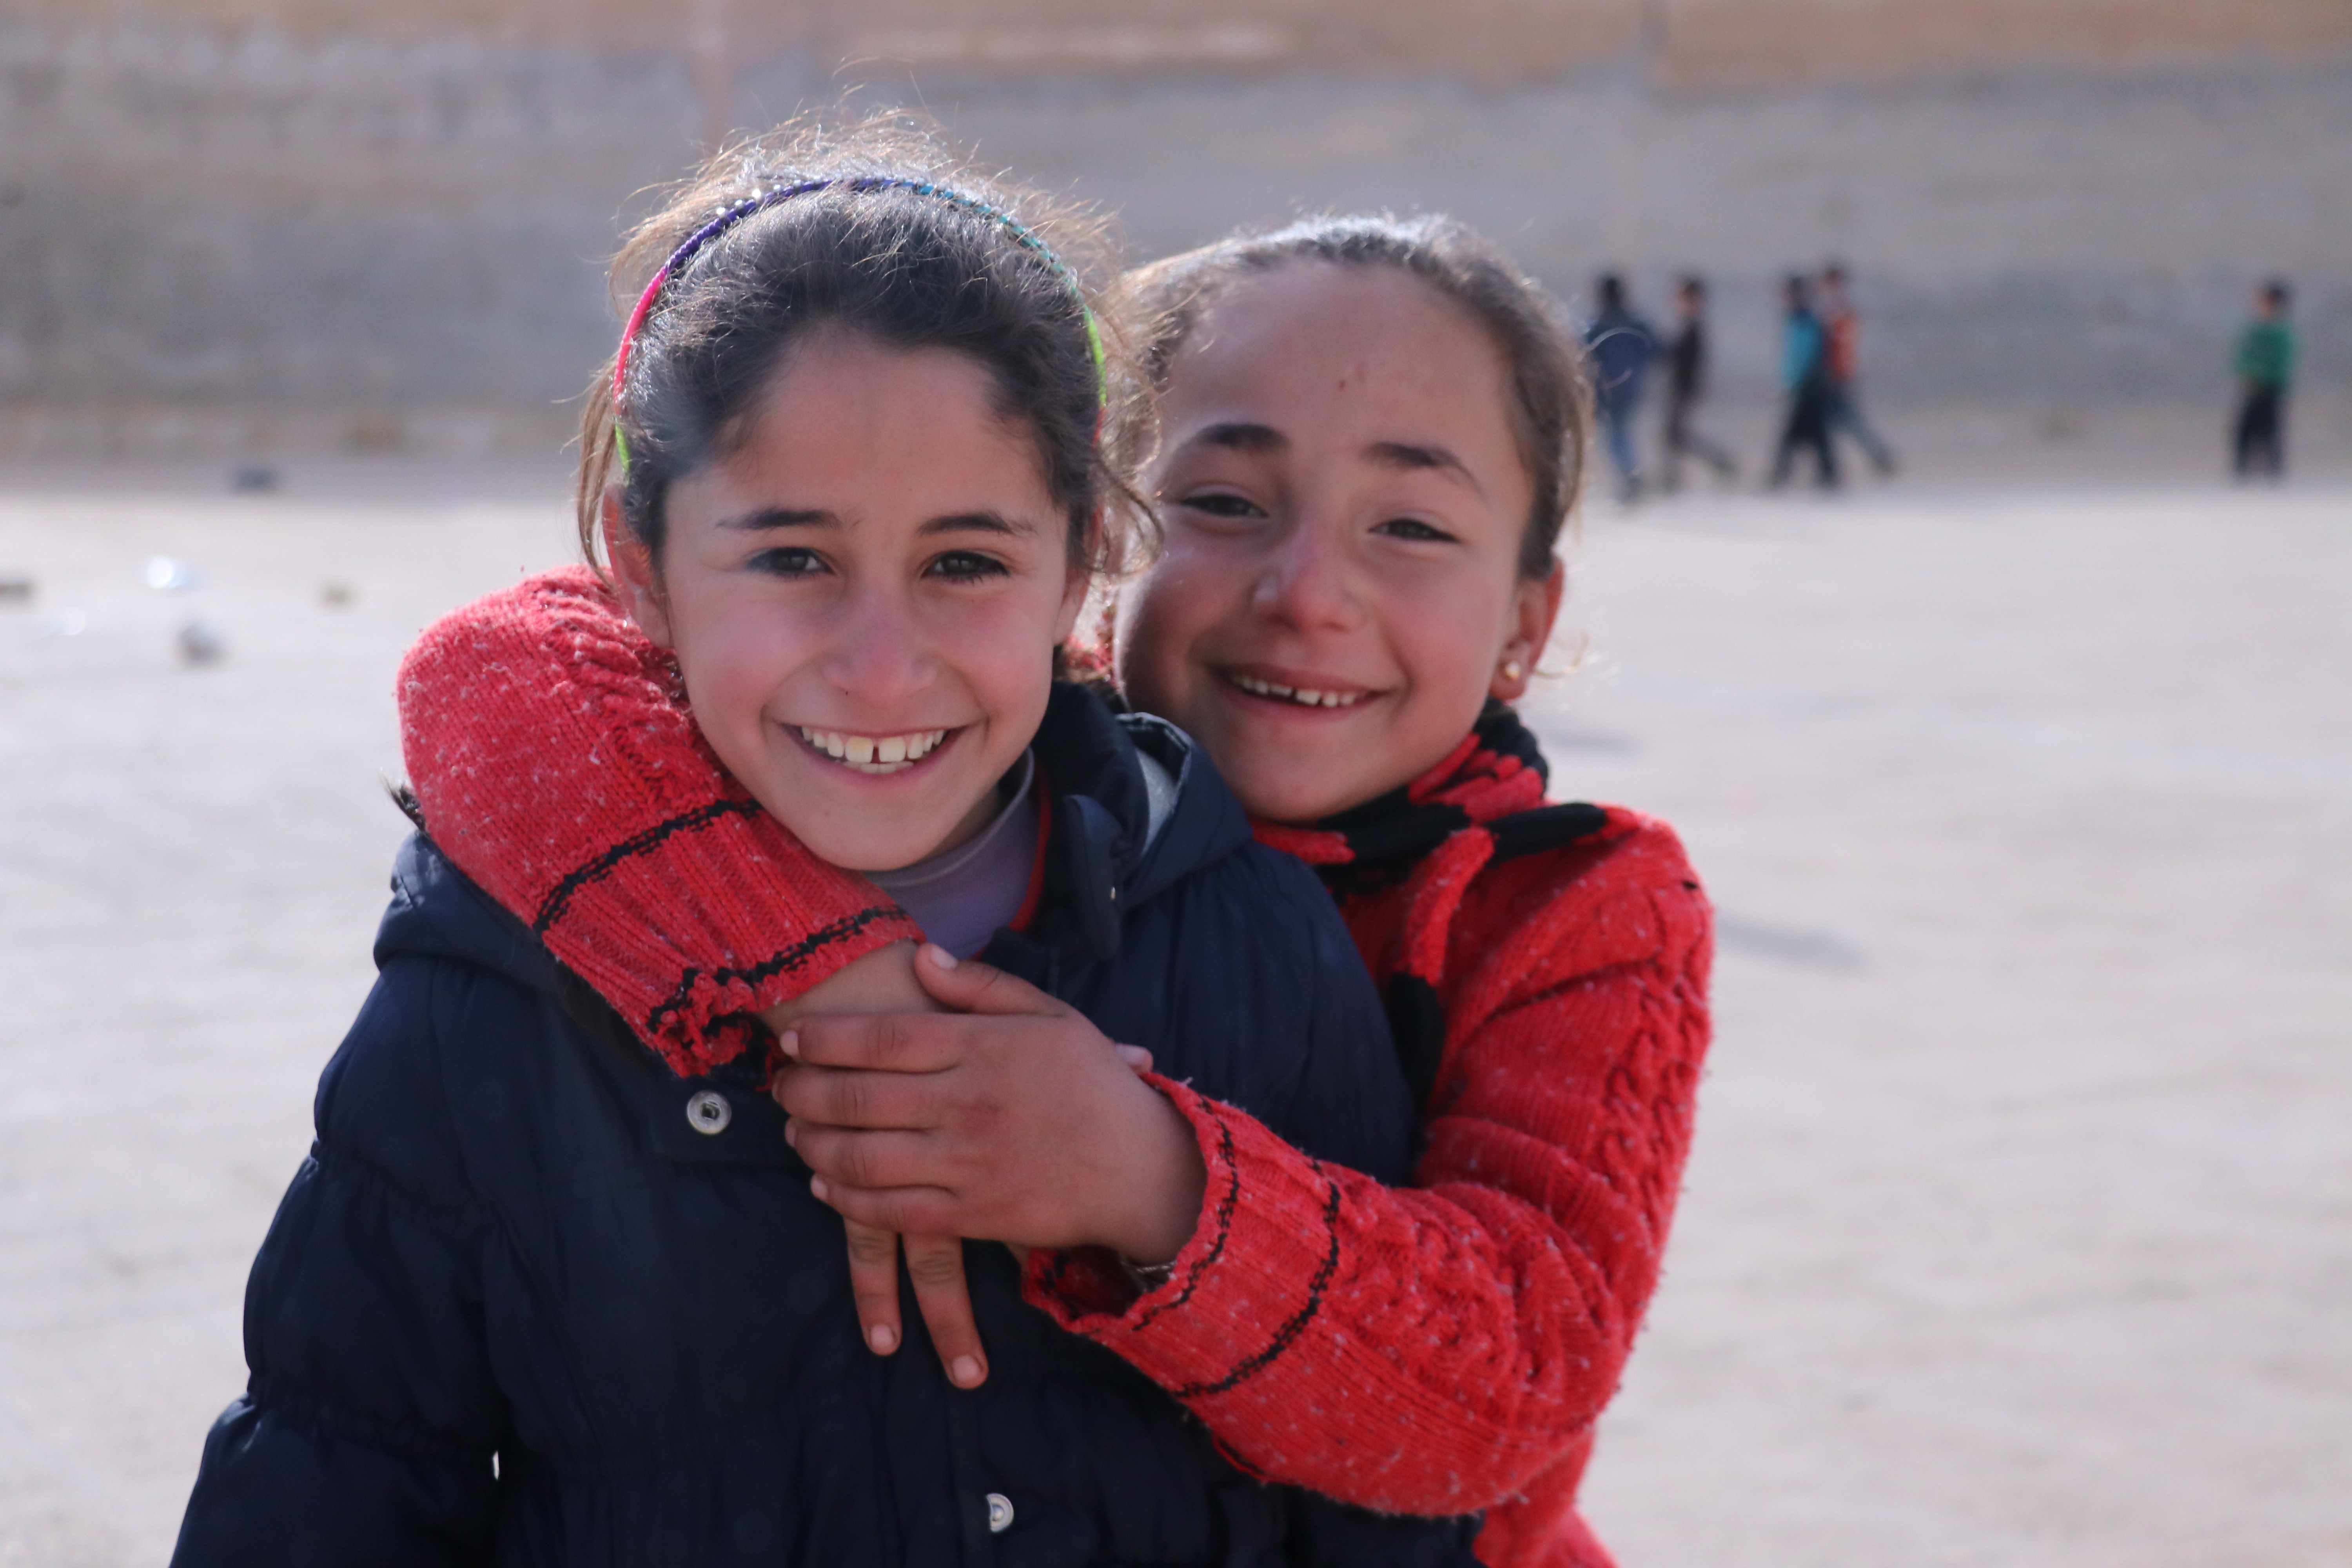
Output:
[[555, 762], [1469, 1330]]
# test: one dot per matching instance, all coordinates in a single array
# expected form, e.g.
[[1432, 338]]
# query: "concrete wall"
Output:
[[287, 221]]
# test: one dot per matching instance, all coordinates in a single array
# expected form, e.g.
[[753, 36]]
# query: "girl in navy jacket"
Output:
[[540, 1295]]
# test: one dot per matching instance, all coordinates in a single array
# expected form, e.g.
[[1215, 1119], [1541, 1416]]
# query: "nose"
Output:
[[1308, 582], [879, 655]]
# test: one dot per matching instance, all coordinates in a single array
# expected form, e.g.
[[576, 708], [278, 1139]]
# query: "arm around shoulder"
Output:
[[1431, 1349], [557, 765]]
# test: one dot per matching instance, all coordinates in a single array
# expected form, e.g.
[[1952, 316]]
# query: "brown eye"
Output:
[[966, 566], [1414, 528], [1222, 503], [788, 560]]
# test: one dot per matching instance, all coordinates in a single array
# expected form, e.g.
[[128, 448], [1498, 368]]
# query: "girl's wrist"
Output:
[[1164, 1181]]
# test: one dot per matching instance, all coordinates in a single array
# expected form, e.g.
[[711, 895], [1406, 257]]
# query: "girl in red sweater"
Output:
[[1369, 438]]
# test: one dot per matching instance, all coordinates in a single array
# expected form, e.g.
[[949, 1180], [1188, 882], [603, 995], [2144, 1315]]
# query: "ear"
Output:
[[635, 574], [1535, 606]]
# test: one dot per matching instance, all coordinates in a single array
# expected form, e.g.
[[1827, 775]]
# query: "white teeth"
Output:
[[1299, 695], [874, 755]]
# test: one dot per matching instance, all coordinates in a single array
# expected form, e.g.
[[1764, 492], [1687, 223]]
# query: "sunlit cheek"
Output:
[[1000, 648], [740, 660], [1444, 629], [1200, 594]]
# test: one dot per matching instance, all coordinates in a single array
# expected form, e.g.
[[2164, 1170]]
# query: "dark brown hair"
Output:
[[905, 267], [1550, 395]]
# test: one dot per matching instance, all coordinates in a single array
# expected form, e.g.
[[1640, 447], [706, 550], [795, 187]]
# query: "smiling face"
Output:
[[1344, 501], [864, 592]]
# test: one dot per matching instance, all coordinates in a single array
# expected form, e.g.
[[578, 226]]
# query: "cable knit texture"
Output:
[[1450, 1346], [1426, 1349], [556, 763]]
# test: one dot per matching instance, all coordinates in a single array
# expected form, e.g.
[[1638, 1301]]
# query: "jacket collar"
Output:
[[437, 912], [1106, 856]]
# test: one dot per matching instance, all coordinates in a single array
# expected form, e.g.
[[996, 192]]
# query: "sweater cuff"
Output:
[[689, 946], [1256, 1272]]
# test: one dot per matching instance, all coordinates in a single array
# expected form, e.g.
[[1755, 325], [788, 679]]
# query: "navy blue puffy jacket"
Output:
[[519, 1307]]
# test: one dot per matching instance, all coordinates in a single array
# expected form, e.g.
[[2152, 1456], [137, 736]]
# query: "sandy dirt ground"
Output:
[[2019, 1227]]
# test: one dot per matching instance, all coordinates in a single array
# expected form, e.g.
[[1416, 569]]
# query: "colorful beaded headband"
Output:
[[761, 200]]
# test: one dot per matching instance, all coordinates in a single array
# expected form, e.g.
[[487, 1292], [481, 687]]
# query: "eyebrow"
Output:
[[776, 517], [780, 516], [1240, 435], [978, 522], [1410, 455]]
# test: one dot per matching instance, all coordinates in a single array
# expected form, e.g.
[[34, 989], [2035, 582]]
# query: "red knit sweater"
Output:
[[1424, 1350]]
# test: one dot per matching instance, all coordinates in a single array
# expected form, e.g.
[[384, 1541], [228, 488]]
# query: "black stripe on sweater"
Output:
[[1222, 1216], [791, 957], [550, 909], [1285, 1336]]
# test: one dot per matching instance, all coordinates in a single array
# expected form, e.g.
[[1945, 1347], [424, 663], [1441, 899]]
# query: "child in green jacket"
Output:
[[2265, 363]]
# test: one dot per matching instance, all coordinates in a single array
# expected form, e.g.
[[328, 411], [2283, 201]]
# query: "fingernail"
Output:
[[964, 1371], [791, 1133], [882, 1338], [791, 1043], [945, 960], [817, 1188]]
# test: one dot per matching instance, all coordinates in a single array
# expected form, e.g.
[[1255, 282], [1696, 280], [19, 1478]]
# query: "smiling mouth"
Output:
[[1299, 696], [874, 753]]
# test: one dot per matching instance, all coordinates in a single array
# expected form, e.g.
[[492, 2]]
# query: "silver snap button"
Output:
[[1000, 1513], [707, 1112]]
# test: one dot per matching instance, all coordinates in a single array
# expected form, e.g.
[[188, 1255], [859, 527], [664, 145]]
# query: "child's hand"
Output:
[[884, 981], [1014, 1119], [935, 1263]]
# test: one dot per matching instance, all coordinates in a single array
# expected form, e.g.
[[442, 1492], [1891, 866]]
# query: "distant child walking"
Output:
[[555, 1286], [1620, 346], [1686, 378], [1805, 385], [1842, 368], [2264, 362]]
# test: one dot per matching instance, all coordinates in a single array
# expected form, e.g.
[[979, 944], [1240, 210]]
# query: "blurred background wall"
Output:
[[376, 225]]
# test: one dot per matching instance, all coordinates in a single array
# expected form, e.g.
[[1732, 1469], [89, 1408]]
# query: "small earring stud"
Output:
[[1512, 669]]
